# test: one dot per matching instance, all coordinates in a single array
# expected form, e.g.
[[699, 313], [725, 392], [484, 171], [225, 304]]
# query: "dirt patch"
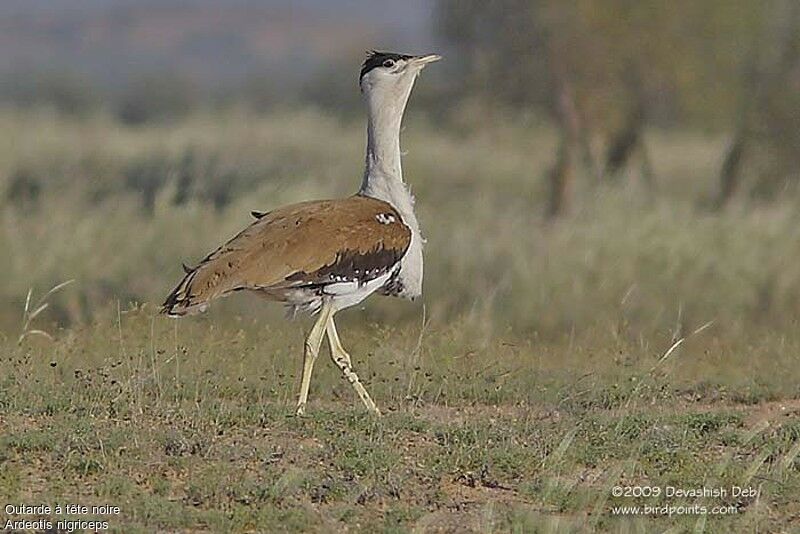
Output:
[[772, 412]]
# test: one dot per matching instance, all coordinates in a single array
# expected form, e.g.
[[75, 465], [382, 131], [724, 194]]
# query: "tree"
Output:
[[766, 141], [623, 64]]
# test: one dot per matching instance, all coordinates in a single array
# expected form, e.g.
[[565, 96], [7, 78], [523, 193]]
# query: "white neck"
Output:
[[383, 143], [383, 172]]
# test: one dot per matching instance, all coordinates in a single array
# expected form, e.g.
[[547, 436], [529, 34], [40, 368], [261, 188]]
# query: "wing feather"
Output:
[[304, 244]]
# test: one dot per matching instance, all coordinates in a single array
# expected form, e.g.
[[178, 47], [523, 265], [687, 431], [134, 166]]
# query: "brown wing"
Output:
[[306, 244]]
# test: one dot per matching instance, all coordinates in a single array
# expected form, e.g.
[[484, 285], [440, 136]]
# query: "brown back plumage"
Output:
[[301, 245]]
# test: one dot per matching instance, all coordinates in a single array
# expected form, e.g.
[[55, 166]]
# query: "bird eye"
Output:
[[389, 63]]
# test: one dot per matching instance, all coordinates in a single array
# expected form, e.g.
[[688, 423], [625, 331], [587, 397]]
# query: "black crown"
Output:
[[376, 59]]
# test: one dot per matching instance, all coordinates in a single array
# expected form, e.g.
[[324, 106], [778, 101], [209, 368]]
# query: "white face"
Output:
[[390, 74], [395, 76]]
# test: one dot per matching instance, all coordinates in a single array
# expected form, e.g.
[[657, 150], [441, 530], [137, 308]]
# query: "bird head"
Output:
[[387, 78]]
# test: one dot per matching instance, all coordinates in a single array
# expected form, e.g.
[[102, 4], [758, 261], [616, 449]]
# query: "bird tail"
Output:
[[192, 295]]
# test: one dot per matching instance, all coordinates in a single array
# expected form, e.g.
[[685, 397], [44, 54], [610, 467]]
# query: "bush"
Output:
[[67, 93], [156, 98]]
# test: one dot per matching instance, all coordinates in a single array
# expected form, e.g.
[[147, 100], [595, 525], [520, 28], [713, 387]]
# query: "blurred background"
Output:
[[610, 195], [616, 166]]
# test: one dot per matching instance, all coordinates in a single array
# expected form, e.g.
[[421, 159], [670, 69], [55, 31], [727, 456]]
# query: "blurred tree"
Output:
[[681, 59], [334, 88], [628, 141], [24, 187], [766, 142], [621, 63], [158, 98], [68, 93]]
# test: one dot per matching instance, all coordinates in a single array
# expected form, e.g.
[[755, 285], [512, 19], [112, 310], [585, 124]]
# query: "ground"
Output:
[[188, 434], [640, 342]]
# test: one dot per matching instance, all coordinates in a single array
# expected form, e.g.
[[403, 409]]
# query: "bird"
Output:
[[323, 256]]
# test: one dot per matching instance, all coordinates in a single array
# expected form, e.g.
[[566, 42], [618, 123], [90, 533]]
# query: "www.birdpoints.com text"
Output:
[[687, 500]]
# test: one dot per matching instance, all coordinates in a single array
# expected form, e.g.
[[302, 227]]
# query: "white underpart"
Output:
[[346, 294], [343, 293], [386, 95]]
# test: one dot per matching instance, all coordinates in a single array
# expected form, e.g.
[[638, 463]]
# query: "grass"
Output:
[[641, 340], [186, 426]]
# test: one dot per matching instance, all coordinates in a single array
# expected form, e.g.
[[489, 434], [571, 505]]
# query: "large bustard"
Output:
[[325, 255]]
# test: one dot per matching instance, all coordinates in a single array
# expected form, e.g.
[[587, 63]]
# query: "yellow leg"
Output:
[[342, 361], [310, 353]]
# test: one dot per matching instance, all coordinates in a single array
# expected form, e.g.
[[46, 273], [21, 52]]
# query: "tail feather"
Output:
[[186, 298]]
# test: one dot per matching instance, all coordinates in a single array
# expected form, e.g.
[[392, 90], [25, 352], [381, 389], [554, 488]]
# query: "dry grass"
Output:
[[640, 339]]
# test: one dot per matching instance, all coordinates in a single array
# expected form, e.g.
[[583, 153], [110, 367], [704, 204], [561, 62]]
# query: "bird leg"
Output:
[[342, 361], [310, 353]]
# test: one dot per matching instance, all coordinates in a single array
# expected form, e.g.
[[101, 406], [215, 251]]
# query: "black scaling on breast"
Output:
[[351, 266], [393, 286]]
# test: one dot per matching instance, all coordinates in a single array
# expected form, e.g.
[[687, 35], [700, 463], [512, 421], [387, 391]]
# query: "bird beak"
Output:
[[421, 61]]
